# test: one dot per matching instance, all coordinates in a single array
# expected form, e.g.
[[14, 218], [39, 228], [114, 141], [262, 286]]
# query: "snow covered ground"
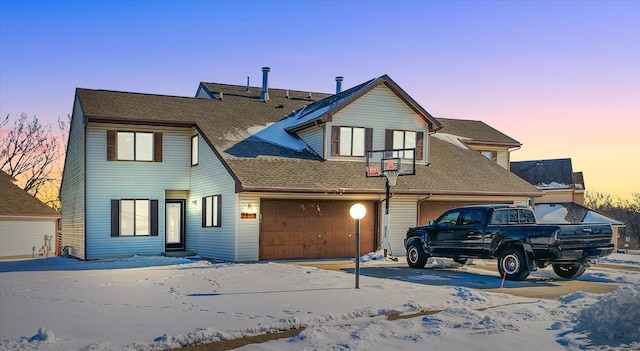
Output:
[[157, 303]]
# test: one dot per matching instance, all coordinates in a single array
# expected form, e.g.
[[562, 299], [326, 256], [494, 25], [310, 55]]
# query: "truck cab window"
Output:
[[448, 220]]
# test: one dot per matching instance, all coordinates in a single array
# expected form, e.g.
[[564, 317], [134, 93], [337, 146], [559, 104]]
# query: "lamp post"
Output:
[[357, 212]]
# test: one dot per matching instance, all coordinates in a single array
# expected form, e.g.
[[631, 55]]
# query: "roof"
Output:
[[476, 132], [555, 173], [250, 136], [16, 201]]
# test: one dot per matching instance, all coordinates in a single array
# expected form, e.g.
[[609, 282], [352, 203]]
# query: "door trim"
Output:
[[182, 244]]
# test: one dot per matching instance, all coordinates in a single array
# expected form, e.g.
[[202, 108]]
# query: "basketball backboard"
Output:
[[381, 161]]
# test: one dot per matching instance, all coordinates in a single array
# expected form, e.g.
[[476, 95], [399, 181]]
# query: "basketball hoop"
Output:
[[392, 176]]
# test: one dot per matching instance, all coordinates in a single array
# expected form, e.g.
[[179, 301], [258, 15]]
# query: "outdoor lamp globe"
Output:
[[357, 211]]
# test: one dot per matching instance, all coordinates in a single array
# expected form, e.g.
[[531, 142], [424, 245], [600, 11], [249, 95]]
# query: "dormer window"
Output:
[[492, 155]]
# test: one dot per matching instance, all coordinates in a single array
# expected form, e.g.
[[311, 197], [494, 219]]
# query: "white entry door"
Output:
[[174, 226]]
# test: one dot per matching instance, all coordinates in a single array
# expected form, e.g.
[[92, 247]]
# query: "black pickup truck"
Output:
[[510, 234]]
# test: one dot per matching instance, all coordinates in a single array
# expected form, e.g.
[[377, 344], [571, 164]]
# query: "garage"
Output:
[[309, 229]]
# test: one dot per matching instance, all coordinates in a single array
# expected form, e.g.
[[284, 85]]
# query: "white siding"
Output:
[[107, 180], [210, 177], [313, 137], [503, 159], [72, 190], [379, 109], [402, 216], [248, 229], [18, 237]]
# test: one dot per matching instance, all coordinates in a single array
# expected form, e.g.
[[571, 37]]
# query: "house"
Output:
[[27, 226], [242, 173], [563, 197]]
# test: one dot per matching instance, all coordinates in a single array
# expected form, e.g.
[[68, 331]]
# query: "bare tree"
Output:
[[622, 210], [29, 152]]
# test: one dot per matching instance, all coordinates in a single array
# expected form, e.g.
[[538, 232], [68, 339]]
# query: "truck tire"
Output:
[[569, 271], [416, 257], [511, 261]]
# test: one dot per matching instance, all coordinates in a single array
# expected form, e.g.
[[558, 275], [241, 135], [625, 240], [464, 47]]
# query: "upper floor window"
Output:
[[134, 146], [350, 141], [405, 139], [492, 155], [194, 150]]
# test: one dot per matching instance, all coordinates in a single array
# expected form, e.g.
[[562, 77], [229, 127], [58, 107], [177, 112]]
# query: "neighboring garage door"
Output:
[[295, 229], [433, 209]]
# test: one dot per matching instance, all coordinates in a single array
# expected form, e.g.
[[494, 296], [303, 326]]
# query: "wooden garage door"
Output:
[[304, 229]]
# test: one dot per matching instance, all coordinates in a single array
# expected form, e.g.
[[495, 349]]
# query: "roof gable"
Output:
[[16, 201], [322, 111]]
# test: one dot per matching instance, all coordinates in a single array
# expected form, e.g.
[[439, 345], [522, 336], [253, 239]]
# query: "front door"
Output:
[[174, 225]]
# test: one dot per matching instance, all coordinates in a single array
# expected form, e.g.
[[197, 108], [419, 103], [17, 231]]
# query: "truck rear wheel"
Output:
[[416, 257], [569, 271], [512, 263]]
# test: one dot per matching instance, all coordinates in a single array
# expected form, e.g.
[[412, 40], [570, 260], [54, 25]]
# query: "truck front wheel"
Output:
[[416, 257], [512, 263], [569, 271]]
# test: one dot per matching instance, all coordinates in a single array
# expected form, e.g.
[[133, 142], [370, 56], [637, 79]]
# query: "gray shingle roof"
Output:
[[545, 172], [16, 201], [229, 126], [477, 131]]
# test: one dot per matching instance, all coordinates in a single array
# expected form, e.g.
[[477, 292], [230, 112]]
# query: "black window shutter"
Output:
[[368, 139], [115, 218], [154, 218], [219, 224], [204, 212], [335, 141], [388, 139], [111, 145], [419, 145], [157, 147]]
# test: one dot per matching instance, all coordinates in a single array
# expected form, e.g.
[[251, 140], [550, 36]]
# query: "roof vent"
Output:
[[286, 94], [264, 95], [221, 96], [339, 84], [248, 90], [310, 95]]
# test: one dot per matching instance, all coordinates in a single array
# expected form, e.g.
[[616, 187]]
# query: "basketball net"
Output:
[[392, 176]]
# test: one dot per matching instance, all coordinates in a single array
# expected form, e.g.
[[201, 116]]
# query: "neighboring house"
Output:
[[233, 174], [28, 227], [563, 197]]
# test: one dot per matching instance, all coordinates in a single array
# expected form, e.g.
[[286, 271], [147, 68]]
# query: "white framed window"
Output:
[[135, 146], [211, 211], [134, 217], [492, 155], [194, 150], [352, 141], [404, 139]]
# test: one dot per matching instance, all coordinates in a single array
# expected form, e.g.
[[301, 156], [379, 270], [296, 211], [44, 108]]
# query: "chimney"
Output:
[[339, 84], [248, 91], [264, 95]]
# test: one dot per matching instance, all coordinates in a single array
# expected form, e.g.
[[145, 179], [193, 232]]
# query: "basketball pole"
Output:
[[385, 239]]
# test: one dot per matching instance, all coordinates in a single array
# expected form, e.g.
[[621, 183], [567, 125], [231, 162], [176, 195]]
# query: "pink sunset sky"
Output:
[[561, 77]]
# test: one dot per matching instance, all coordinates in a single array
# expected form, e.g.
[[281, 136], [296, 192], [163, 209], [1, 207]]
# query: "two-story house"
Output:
[[240, 173]]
